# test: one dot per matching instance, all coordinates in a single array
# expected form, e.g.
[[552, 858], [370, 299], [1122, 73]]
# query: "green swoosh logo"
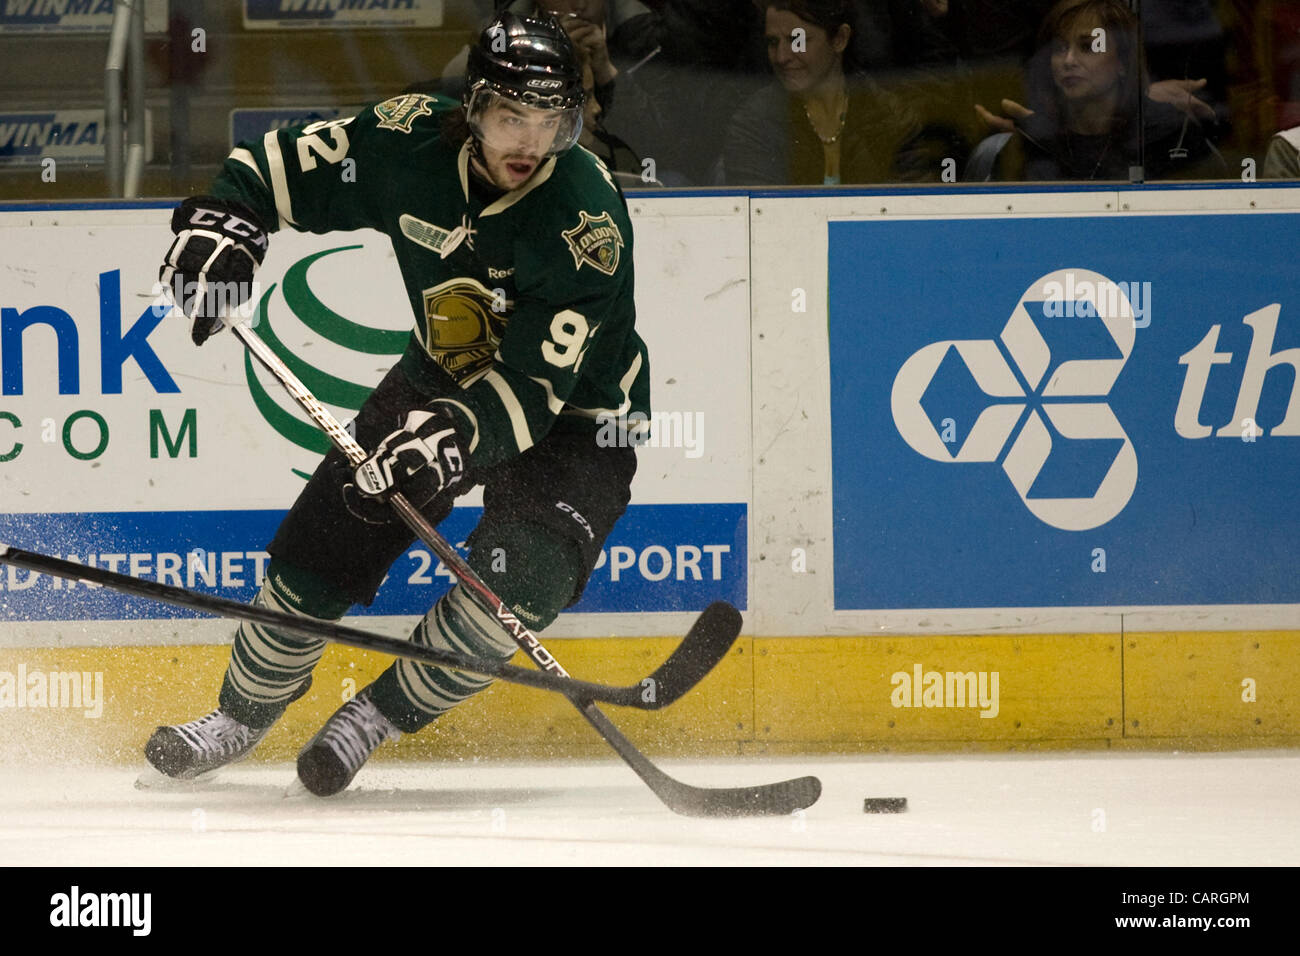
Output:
[[329, 324], [328, 388]]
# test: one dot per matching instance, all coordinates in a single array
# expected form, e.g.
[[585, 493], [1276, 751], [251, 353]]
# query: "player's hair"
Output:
[[455, 127]]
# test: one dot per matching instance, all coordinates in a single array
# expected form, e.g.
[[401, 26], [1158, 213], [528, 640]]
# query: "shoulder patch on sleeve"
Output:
[[595, 241], [400, 112]]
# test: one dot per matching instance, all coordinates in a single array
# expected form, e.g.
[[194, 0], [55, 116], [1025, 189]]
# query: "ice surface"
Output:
[[1095, 809]]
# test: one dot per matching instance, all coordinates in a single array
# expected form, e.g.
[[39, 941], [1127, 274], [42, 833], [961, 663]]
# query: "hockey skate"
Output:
[[332, 758], [184, 751]]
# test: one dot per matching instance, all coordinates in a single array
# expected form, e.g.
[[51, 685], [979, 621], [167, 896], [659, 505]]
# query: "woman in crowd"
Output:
[[822, 122], [1090, 112]]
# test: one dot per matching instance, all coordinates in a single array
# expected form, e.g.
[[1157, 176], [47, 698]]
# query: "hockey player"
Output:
[[516, 253]]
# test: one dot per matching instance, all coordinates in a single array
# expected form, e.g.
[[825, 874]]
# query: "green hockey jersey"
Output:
[[523, 301]]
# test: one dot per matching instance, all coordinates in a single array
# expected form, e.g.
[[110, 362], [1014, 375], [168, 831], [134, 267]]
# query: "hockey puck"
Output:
[[884, 804]]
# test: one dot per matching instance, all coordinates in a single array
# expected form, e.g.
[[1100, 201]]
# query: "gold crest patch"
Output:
[[401, 112], [464, 321], [595, 242]]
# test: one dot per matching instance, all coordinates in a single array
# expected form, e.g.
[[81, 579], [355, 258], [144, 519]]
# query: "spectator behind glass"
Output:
[[667, 79], [590, 24], [1282, 160], [1082, 117], [617, 156], [924, 32], [1184, 39], [710, 60], [601, 30], [587, 24], [821, 122]]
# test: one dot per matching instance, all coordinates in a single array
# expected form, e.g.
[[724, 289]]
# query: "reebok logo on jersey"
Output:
[[401, 112], [595, 241]]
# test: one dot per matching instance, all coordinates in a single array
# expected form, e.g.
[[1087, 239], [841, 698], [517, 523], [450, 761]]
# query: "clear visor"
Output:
[[508, 126]]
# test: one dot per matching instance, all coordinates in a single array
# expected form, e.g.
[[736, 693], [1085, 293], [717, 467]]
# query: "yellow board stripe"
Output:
[[1201, 690]]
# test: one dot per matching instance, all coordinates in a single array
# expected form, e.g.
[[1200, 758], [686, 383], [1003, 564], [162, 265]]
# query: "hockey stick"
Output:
[[770, 799], [705, 644]]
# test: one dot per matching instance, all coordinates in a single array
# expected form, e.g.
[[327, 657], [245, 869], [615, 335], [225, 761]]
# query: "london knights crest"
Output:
[[463, 324], [401, 112], [595, 242]]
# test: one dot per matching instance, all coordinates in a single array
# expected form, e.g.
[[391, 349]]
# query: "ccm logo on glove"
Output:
[[209, 267], [425, 443], [230, 224], [423, 460]]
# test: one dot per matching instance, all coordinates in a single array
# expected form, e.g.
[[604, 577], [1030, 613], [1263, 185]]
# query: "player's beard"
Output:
[[506, 170]]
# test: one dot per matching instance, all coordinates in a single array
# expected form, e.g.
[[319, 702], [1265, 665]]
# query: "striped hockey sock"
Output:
[[410, 694], [270, 668]]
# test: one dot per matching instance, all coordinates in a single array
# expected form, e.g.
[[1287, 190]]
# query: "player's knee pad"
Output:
[[532, 568]]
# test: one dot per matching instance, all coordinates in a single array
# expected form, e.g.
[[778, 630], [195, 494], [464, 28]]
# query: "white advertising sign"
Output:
[[119, 437]]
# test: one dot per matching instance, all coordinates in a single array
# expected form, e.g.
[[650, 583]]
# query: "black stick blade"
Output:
[[705, 644], [770, 800]]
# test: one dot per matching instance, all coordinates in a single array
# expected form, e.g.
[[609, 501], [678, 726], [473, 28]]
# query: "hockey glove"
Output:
[[209, 267], [423, 460]]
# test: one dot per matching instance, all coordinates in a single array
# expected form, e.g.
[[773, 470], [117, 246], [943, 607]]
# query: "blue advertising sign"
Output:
[[1073, 411], [342, 14], [658, 558], [76, 136], [72, 16], [253, 124]]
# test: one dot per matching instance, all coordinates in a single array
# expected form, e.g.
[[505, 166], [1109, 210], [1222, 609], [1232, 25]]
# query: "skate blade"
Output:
[[152, 779]]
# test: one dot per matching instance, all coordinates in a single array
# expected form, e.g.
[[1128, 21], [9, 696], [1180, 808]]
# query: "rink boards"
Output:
[[956, 502]]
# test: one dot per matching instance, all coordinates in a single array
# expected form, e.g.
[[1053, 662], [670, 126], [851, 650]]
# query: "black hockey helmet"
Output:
[[530, 62]]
